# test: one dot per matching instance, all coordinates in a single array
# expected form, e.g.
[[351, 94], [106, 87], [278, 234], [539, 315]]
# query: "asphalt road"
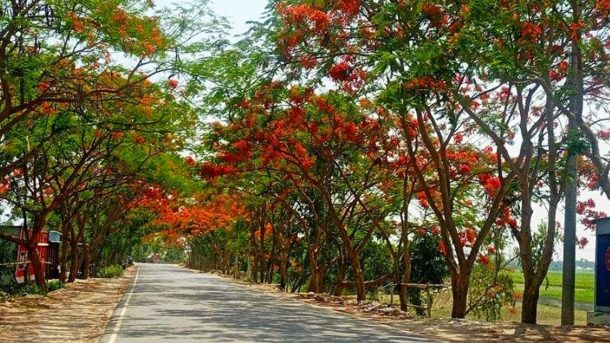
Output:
[[172, 304]]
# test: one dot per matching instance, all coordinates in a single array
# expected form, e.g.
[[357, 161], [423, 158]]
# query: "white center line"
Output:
[[115, 332]]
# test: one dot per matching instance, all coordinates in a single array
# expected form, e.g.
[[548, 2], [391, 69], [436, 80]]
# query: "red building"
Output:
[[48, 249]]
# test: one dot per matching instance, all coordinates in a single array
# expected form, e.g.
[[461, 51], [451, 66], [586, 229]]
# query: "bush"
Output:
[[490, 291], [54, 285], [20, 290], [111, 271]]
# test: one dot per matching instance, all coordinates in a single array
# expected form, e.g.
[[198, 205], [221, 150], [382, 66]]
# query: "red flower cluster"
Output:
[[531, 31], [340, 71], [603, 135], [347, 75], [305, 14], [189, 160], [586, 210], [507, 219], [435, 14], [426, 82], [468, 236], [603, 5], [211, 170], [490, 183], [423, 200], [350, 7], [172, 83]]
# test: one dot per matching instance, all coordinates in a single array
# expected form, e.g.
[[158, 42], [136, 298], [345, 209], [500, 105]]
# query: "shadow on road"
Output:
[[173, 304]]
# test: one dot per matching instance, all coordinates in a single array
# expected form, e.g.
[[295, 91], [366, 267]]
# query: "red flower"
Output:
[[350, 7], [340, 71], [458, 138], [582, 242], [483, 259], [190, 161], [531, 31], [172, 83], [442, 248], [555, 76], [471, 235], [465, 169]]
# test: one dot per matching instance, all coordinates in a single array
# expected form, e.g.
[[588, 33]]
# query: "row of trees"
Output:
[[352, 127], [343, 144], [92, 117]]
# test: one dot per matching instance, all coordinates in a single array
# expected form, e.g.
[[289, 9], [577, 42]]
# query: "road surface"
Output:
[[171, 304]]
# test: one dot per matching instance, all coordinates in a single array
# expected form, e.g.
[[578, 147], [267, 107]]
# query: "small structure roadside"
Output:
[[77, 313]]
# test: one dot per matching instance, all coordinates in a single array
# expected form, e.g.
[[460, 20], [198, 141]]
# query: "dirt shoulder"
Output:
[[77, 313], [446, 329]]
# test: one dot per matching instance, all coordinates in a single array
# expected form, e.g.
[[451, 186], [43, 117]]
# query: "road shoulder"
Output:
[[444, 329], [77, 313]]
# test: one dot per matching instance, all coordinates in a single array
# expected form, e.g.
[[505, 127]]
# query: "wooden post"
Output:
[[429, 300]]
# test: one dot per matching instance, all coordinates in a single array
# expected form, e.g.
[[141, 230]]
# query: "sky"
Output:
[[239, 12]]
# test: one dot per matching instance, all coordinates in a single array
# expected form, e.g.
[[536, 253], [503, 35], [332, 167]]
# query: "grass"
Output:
[[547, 315], [111, 271], [551, 287]]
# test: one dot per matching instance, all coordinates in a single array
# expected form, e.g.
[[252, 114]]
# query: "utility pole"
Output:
[[569, 239], [575, 81]]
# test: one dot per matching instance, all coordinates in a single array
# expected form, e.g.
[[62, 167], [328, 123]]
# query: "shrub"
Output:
[[20, 290], [111, 271], [490, 291], [54, 285]]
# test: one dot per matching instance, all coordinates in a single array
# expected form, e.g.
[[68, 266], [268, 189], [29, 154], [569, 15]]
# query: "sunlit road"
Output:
[[172, 304]]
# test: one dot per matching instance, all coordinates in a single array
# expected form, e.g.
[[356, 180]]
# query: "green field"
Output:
[[551, 287]]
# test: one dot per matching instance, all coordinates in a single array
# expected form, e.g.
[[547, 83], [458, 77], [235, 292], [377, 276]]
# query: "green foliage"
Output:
[[490, 292], [376, 260], [427, 266], [113, 271], [54, 285], [8, 251], [20, 290]]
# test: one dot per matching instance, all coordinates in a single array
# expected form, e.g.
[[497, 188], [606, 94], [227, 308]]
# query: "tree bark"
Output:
[[283, 266], [63, 261], [459, 289], [530, 303], [73, 261], [86, 262], [37, 266]]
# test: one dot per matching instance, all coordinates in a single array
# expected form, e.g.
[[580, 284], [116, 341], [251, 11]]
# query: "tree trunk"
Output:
[[529, 303], [63, 260], [86, 261], [459, 290], [73, 262], [358, 276], [37, 265], [406, 275], [315, 280], [403, 289], [254, 275], [283, 267]]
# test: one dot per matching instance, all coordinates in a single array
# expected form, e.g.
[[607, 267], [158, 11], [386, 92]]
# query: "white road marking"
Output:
[[115, 332]]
